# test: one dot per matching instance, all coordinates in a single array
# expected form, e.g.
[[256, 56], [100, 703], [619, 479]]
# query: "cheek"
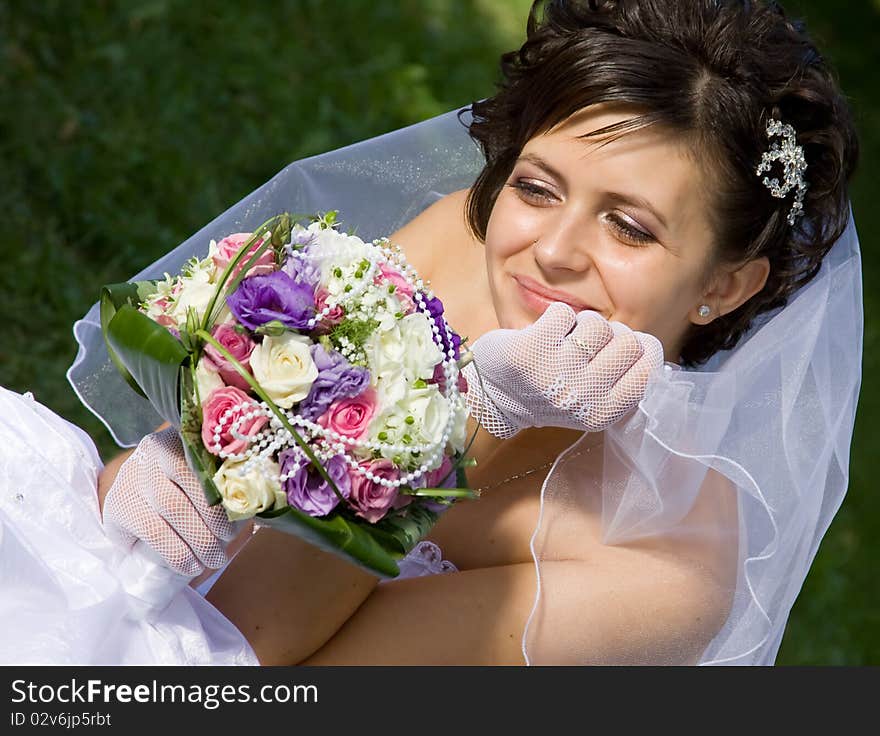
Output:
[[643, 289], [659, 306], [511, 228]]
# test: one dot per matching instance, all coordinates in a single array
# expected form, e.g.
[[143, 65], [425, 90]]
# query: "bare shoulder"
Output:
[[436, 229], [445, 216]]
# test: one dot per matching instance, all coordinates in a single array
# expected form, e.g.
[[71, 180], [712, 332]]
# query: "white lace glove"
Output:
[[566, 370], [156, 499]]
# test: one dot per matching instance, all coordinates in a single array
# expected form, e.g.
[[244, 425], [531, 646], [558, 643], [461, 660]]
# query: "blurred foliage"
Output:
[[836, 619], [125, 125]]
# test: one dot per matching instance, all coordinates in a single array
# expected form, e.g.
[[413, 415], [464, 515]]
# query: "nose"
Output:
[[564, 245]]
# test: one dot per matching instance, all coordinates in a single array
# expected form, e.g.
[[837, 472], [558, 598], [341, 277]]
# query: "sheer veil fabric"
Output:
[[725, 477]]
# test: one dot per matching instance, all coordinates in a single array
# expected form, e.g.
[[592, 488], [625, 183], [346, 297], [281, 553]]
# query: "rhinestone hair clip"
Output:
[[792, 158]]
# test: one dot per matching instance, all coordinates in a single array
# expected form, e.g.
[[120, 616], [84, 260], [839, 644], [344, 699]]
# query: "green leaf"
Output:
[[114, 296], [337, 535], [328, 219], [460, 476], [441, 492], [151, 355], [405, 530], [273, 328], [281, 234]]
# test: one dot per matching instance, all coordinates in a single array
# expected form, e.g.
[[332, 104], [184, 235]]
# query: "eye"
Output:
[[531, 192], [627, 231]]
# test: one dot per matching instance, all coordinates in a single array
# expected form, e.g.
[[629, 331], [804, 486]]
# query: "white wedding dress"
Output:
[[69, 595]]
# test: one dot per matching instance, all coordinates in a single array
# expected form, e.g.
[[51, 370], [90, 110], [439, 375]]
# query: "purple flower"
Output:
[[435, 309], [455, 345], [302, 270], [273, 296], [442, 477], [307, 490], [337, 379]]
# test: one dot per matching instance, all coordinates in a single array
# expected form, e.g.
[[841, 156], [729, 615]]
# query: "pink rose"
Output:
[[228, 248], [350, 417], [219, 402], [336, 315], [402, 289], [403, 499], [407, 305], [239, 346], [402, 286], [373, 500]]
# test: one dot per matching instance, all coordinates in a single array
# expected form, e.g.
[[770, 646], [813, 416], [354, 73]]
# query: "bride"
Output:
[[659, 277]]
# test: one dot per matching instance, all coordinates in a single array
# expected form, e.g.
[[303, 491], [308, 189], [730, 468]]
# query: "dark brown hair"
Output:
[[712, 72]]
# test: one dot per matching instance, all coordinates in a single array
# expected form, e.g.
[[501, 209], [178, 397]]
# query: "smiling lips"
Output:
[[537, 297]]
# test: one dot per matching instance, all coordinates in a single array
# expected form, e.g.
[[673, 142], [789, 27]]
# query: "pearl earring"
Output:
[[704, 310]]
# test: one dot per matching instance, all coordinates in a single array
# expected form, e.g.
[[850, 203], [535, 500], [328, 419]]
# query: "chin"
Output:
[[510, 318], [518, 323]]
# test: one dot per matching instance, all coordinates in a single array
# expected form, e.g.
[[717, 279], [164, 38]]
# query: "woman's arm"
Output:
[[287, 596], [634, 604], [627, 608], [108, 475], [656, 600]]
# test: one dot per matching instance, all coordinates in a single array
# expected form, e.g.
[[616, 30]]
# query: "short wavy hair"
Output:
[[713, 72]]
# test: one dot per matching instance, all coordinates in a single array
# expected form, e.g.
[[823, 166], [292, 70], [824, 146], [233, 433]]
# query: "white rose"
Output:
[[384, 350], [195, 293], [283, 366], [247, 495], [430, 410], [390, 389], [420, 353], [391, 425], [207, 380], [417, 419]]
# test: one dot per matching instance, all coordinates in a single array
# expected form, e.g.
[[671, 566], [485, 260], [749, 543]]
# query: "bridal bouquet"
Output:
[[314, 380]]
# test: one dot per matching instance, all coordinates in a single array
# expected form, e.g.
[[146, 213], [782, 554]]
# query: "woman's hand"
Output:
[[155, 498], [577, 371]]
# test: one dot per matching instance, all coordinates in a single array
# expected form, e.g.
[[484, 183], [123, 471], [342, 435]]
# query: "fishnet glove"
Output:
[[566, 370], [156, 499]]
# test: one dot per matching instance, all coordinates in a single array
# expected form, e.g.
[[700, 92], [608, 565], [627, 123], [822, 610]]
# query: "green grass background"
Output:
[[126, 125]]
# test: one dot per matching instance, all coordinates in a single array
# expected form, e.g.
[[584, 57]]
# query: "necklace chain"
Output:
[[530, 472], [514, 477]]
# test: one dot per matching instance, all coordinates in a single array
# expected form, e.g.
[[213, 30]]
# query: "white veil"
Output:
[[728, 476]]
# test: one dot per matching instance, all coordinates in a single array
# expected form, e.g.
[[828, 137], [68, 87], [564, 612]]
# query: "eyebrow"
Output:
[[632, 199], [641, 203], [541, 164]]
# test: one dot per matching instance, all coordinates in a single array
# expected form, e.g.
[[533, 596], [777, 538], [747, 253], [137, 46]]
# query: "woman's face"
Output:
[[620, 229]]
